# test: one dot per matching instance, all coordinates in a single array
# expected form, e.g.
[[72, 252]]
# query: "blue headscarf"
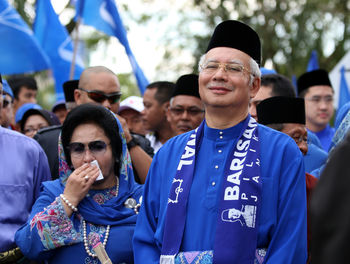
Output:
[[113, 211]]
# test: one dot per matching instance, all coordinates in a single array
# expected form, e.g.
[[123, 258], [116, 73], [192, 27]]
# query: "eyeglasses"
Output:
[[77, 149], [100, 97], [318, 99], [300, 139], [192, 111], [31, 130], [233, 69]]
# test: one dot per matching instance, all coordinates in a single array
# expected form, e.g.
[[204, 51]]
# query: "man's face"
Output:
[[318, 107], [104, 82], [264, 93], [134, 121], [185, 113], [224, 88], [154, 113], [61, 113], [6, 114], [25, 95], [299, 133]]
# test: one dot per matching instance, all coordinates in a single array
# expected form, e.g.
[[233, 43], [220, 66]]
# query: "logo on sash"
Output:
[[246, 215], [178, 190]]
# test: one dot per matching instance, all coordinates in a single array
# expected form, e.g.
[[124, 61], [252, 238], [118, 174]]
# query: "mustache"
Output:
[[219, 84]]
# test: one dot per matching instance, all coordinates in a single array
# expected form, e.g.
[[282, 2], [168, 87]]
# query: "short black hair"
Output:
[[280, 85], [93, 114], [16, 82], [164, 90]]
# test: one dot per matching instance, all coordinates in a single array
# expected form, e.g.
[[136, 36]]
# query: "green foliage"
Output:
[[128, 85], [289, 29]]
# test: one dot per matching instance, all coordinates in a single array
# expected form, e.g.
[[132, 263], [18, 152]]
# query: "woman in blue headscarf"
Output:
[[77, 211]]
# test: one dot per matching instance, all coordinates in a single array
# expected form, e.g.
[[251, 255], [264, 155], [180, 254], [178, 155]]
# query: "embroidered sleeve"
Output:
[[54, 227]]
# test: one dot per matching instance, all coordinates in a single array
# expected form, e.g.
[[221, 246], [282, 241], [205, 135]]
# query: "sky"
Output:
[[145, 40]]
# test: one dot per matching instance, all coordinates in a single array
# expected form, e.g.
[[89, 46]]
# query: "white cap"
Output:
[[132, 102]]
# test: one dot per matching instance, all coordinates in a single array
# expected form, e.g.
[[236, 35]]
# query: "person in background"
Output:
[[231, 191], [186, 110], [79, 210], [316, 88], [98, 85], [48, 137], [21, 111], [60, 110], [156, 101], [7, 114], [287, 114], [68, 89], [23, 168], [130, 109], [24, 89], [35, 119], [272, 84], [279, 85]]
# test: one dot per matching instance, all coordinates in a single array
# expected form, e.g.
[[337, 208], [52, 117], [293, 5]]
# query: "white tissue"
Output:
[[100, 177]]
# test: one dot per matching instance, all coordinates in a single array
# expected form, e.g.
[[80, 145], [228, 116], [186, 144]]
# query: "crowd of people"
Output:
[[227, 166]]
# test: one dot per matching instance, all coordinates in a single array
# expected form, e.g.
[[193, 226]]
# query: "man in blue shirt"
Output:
[[316, 89], [23, 167], [231, 191]]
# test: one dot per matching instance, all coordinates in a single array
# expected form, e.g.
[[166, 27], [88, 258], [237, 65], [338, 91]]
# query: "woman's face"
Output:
[[85, 134], [33, 124]]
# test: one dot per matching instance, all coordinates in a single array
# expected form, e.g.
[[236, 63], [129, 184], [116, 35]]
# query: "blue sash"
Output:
[[237, 229]]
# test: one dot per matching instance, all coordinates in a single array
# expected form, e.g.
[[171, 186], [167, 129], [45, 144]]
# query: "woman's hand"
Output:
[[79, 183]]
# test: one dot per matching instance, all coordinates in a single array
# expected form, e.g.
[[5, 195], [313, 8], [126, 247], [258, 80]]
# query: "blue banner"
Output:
[[344, 94], [104, 16], [20, 51], [313, 62], [57, 44]]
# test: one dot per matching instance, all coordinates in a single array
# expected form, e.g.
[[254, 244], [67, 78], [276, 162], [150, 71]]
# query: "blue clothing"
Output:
[[50, 235], [23, 167], [282, 226], [313, 139], [325, 136], [341, 113], [315, 158]]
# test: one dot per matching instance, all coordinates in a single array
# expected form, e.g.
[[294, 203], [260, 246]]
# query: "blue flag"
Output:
[[104, 16], [57, 44], [20, 51], [313, 62], [344, 94]]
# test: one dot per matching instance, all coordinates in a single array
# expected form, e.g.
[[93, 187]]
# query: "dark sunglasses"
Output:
[[100, 97], [96, 148]]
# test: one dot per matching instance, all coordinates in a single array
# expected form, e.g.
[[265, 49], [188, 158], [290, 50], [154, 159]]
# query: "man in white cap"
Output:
[[130, 109], [231, 191]]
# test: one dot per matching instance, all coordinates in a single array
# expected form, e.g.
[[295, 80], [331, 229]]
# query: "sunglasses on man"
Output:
[[100, 97]]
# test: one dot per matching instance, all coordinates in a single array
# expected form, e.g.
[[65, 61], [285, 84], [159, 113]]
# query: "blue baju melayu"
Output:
[[23, 167], [282, 221], [325, 136]]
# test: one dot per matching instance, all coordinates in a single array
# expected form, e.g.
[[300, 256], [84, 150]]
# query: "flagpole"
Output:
[[75, 49]]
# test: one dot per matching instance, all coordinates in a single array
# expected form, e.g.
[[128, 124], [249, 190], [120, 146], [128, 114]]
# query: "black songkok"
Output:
[[281, 109], [187, 85], [236, 35], [0, 79], [68, 89], [312, 78]]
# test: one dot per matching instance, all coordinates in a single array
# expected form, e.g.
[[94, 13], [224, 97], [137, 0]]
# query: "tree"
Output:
[[289, 29]]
